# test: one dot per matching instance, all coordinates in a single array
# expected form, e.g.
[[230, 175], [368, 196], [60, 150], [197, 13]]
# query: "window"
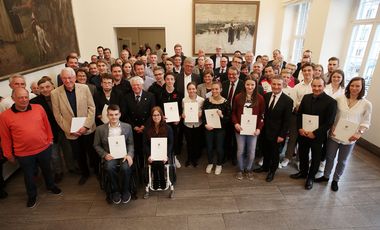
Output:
[[298, 39], [364, 47]]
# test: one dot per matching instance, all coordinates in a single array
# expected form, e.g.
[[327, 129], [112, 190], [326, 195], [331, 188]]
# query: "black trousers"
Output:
[[304, 146], [80, 148], [271, 152], [230, 143], [193, 144]]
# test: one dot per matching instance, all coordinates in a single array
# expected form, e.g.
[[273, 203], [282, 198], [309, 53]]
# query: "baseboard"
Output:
[[369, 146]]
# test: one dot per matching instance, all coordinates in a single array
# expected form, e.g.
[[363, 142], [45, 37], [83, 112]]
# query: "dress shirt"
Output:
[[217, 61], [114, 131], [300, 90], [275, 99], [186, 80]]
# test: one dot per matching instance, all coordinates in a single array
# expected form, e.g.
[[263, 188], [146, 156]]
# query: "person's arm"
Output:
[[98, 143], [47, 126], [90, 110], [6, 140], [330, 113], [129, 141], [56, 110], [170, 140]]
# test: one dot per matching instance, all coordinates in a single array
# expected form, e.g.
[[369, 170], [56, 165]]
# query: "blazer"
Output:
[[101, 100], [213, 58], [226, 87], [220, 76], [180, 85], [277, 120], [202, 90], [101, 139], [324, 107], [138, 113], [63, 113], [41, 100]]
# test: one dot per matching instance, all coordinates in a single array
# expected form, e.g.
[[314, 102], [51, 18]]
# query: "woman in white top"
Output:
[[354, 108], [192, 130], [335, 86]]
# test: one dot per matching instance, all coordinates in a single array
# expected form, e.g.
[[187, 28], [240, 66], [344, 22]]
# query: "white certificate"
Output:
[[345, 129], [118, 149], [77, 123], [171, 111], [191, 112], [266, 86], [158, 148], [212, 118], [310, 122], [104, 118], [248, 124]]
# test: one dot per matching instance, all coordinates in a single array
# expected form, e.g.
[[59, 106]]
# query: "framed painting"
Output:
[[231, 25], [35, 34]]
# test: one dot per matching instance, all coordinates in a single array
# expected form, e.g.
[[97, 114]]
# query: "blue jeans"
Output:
[[113, 175], [217, 136], [28, 165], [344, 152], [242, 142]]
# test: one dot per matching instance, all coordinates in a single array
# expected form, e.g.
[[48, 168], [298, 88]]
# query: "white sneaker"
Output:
[[298, 165], [218, 169], [322, 166], [285, 162], [209, 168], [177, 163], [279, 166], [261, 162]]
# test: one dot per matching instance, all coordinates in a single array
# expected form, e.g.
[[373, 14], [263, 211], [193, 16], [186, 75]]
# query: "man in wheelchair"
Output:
[[115, 128]]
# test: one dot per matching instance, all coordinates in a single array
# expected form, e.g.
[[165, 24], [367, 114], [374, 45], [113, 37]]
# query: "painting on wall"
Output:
[[35, 34], [231, 25]]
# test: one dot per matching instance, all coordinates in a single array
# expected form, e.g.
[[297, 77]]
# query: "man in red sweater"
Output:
[[26, 136]]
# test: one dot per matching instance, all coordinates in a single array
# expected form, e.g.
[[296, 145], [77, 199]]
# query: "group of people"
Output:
[[74, 121]]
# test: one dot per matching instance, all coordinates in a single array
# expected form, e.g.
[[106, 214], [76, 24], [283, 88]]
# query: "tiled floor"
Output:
[[209, 202]]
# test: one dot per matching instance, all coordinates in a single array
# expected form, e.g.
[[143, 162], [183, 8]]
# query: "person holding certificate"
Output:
[[278, 110], [192, 113], [248, 102], [157, 128], [170, 94], [322, 108], [103, 146], [354, 108], [213, 134]]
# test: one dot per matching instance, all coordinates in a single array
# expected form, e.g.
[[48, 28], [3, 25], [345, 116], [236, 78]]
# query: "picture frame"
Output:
[[35, 35], [232, 25]]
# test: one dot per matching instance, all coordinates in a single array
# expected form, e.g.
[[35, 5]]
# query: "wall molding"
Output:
[[369, 146]]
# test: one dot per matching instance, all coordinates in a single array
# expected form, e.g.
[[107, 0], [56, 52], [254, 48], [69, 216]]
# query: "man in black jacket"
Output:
[[278, 109], [318, 104]]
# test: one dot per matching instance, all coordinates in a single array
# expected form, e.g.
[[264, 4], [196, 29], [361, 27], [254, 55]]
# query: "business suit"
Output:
[[137, 114], [213, 58], [325, 108], [101, 100], [63, 113], [219, 76], [230, 143], [180, 83], [101, 146], [276, 124]]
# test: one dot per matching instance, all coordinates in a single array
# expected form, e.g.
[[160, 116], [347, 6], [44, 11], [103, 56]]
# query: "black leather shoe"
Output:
[[321, 179], [298, 175], [309, 184], [334, 186], [270, 177], [260, 170], [83, 180]]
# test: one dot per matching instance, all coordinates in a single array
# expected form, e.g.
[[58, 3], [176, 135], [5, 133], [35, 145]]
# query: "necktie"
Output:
[[137, 98], [272, 103], [231, 92]]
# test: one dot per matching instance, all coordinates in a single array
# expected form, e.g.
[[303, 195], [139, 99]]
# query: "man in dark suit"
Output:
[[216, 58], [278, 109], [318, 104], [230, 88], [221, 72], [139, 103], [186, 77]]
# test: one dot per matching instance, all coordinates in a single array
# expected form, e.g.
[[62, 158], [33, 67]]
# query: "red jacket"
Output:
[[259, 109], [24, 133]]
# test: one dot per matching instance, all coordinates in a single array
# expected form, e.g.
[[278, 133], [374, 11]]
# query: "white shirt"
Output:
[[290, 92], [233, 92], [200, 101], [217, 61], [329, 91], [114, 131], [300, 90], [186, 80], [360, 113], [275, 99]]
